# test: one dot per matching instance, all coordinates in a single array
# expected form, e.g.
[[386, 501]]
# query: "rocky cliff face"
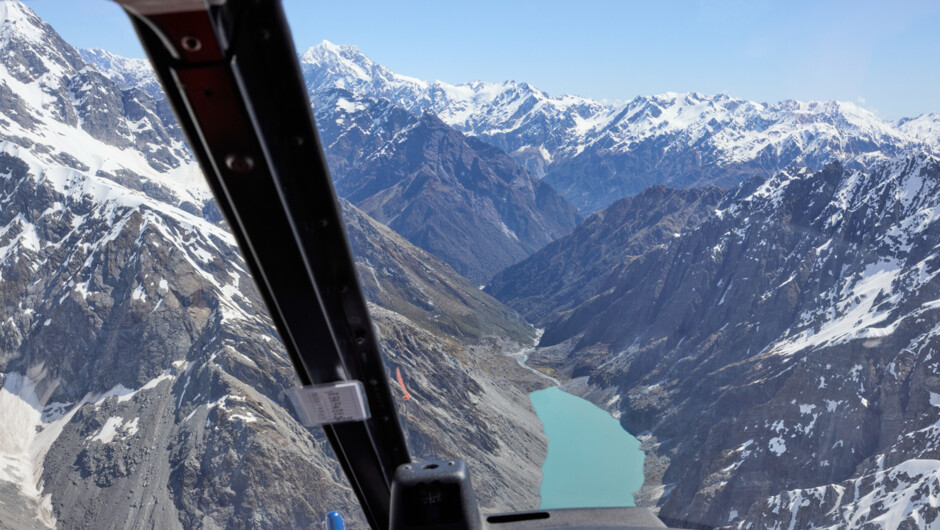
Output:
[[142, 383], [778, 360], [458, 198], [590, 260], [133, 333]]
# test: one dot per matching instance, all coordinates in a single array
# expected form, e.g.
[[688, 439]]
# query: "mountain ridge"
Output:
[[462, 200], [780, 354], [588, 150], [595, 153], [585, 263]]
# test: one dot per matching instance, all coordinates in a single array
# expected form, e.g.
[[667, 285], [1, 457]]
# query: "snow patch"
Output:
[[108, 430], [27, 433]]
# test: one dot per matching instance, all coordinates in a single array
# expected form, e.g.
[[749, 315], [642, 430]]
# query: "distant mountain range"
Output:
[[452, 195], [595, 153], [592, 153]]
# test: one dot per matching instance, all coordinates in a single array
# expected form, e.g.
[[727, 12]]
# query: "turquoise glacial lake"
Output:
[[592, 462]]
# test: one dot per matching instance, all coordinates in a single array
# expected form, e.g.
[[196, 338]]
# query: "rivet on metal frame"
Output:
[[191, 44]]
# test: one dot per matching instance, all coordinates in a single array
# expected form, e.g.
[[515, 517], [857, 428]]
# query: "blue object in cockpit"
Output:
[[334, 521]]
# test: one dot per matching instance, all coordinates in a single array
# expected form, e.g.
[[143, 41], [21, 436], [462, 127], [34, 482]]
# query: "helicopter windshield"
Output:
[[686, 261]]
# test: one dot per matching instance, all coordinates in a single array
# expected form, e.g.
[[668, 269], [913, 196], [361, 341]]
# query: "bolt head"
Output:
[[191, 44], [239, 163]]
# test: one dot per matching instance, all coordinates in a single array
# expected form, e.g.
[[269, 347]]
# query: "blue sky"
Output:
[[882, 55]]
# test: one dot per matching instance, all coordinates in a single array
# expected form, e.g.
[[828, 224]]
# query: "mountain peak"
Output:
[[18, 19], [925, 127], [341, 66], [104, 55], [327, 51], [13, 10], [127, 72], [31, 49], [335, 48], [105, 59], [326, 45]]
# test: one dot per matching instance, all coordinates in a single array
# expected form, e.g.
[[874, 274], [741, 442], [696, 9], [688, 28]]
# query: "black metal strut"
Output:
[[231, 74]]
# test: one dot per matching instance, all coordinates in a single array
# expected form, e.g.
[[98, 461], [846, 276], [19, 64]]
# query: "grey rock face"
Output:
[[354, 128], [458, 198], [777, 361], [118, 317], [589, 261], [395, 274]]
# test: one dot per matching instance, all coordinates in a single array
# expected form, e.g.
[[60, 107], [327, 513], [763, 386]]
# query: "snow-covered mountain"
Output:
[[476, 108], [458, 198], [127, 72], [141, 382], [686, 140], [59, 107], [779, 360], [516, 117], [595, 153], [925, 127]]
